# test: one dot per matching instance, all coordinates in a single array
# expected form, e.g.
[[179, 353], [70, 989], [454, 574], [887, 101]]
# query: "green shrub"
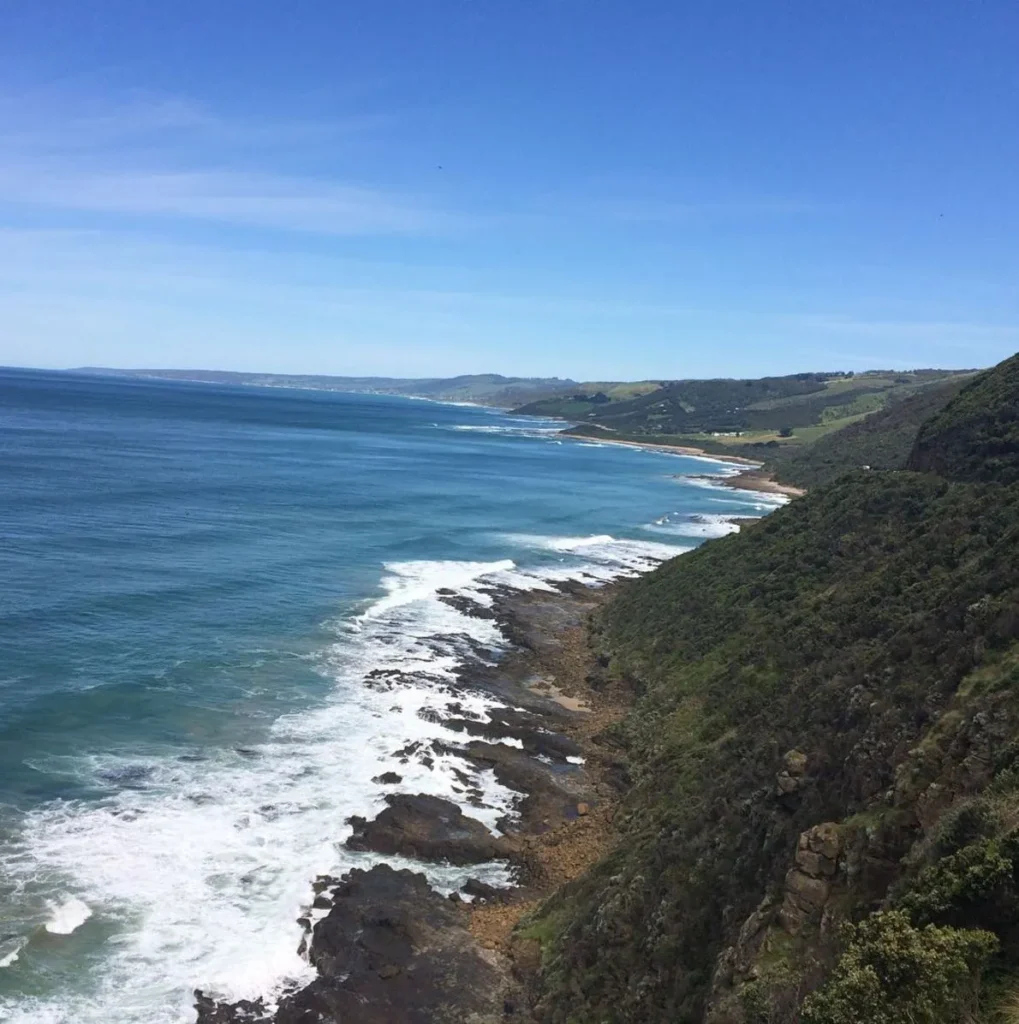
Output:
[[894, 973], [975, 873], [963, 825]]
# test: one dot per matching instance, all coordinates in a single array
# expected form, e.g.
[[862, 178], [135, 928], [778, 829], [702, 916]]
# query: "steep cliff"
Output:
[[824, 819]]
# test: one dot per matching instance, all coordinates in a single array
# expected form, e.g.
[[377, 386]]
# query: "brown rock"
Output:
[[793, 775], [825, 839], [815, 864], [809, 893]]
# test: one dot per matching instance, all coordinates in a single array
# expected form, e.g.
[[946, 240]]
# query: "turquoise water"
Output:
[[196, 582]]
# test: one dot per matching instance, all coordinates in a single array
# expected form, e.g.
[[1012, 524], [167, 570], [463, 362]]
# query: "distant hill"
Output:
[[806, 428], [882, 440], [777, 405], [483, 388], [590, 399]]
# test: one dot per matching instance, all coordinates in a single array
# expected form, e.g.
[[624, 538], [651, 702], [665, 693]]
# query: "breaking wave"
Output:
[[200, 868]]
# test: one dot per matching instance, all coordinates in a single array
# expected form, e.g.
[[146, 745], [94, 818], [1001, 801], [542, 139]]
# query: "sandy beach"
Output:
[[753, 478], [652, 446]]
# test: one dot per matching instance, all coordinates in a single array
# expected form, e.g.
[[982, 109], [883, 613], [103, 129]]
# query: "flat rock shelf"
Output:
[[387, 948]]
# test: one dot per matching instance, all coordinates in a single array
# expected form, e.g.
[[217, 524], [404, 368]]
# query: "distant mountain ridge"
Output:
[[484, 388]]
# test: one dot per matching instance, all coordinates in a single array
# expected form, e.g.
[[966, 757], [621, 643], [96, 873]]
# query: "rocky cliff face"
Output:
[[824, 825]]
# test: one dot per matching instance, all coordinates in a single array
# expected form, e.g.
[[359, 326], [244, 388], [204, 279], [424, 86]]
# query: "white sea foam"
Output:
[[526, 430], [202, 866], [11, 956], [573, 543], [722, 467], [698, 524], [766, 498], [68, 916], [597, 558]]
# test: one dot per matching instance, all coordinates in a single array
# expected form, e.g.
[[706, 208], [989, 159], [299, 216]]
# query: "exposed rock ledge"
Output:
[[391, 949], [426, 827]]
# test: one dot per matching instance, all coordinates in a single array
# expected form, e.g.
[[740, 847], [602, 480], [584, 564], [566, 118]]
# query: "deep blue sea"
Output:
[[194, 583]]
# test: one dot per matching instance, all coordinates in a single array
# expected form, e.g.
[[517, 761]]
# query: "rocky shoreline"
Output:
[[757, 479], [753, 477], [386, 947]]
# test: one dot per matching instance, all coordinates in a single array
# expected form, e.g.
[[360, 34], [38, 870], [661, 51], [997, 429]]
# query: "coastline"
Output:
[[758, 480], [752, 478], [384, 943], [653, 446], [457, 957]]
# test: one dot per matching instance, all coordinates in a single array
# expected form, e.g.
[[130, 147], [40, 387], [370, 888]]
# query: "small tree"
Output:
[[786, 432], [893, 973]]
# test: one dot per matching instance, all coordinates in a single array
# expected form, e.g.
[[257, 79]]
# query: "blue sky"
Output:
[[602, 189]]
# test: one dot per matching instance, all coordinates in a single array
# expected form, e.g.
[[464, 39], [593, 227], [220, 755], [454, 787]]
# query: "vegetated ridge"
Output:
[[822, 824], [482, 388], [880, 440], [729, 406], [842, 422]]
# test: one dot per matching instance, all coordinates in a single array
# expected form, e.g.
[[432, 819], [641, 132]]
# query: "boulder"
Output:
[[426, 827]]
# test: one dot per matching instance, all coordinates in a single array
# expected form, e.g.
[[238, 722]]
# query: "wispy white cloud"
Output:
[[232, 197], [144, 154], [89, 263], [133, 192], [169, 157], [47, 124]]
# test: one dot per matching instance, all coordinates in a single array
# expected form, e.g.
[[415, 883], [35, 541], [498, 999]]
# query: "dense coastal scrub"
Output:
[[882, 440], [823, 824], [977, 437]]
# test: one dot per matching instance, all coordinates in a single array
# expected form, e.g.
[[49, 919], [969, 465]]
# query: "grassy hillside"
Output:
[[883, 440], [807, 403], [691, 405], [584, 400], [824, 819]]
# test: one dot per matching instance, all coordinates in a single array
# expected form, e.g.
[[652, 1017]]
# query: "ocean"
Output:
[[195, 583]]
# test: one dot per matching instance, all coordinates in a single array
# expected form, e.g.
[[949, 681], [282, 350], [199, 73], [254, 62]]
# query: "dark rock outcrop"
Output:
[[390, 951], [242, 1012], [426, 827]]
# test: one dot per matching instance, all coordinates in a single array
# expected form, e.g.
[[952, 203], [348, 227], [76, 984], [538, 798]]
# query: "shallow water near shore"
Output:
[[224, 612]]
